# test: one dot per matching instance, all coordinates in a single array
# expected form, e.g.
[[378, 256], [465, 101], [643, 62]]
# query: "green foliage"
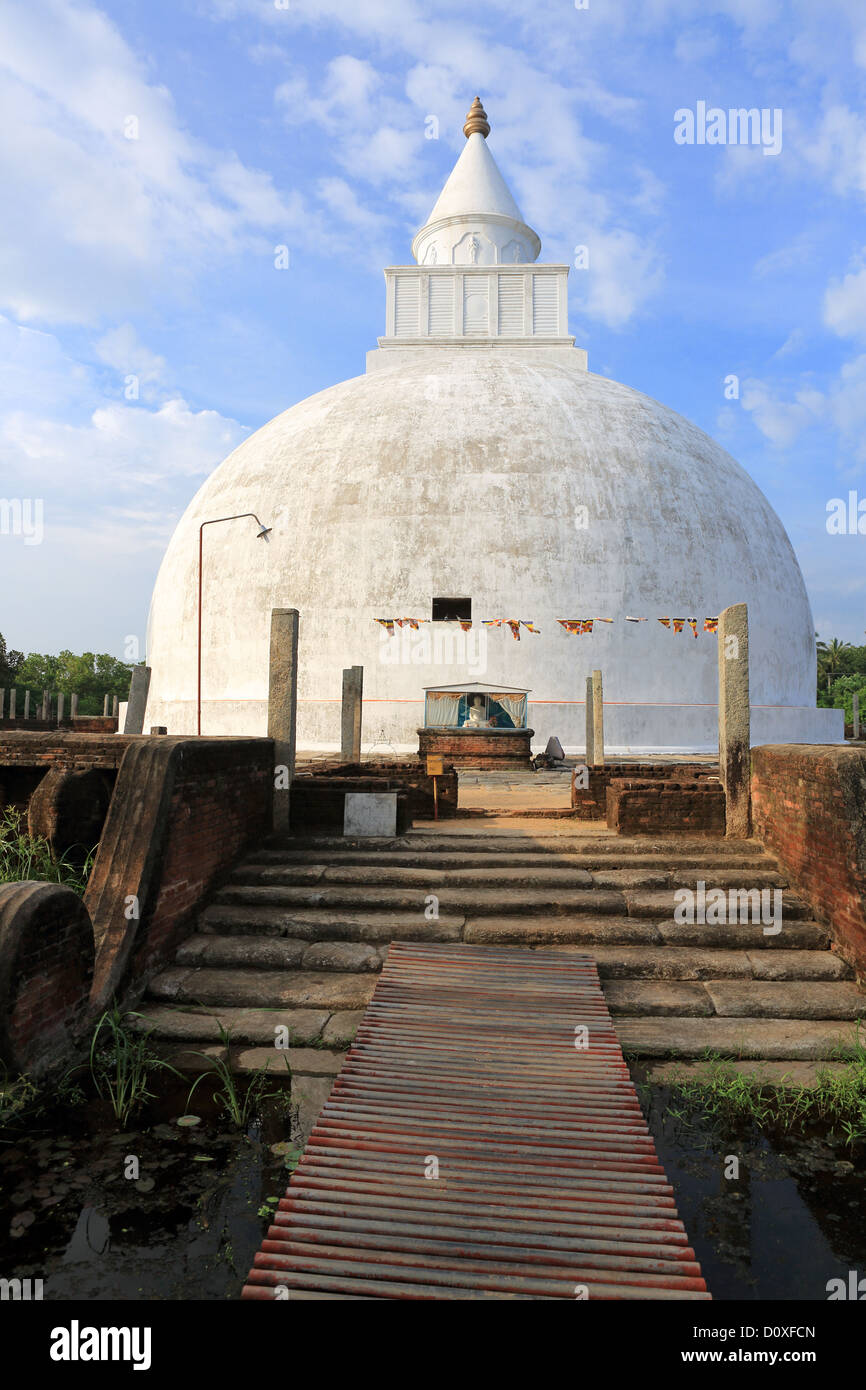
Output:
[[837, 661], [840, 696], [25, 856], [240, 1103], [92, 676], [728, 1095], [9, 664], [122, 1063]]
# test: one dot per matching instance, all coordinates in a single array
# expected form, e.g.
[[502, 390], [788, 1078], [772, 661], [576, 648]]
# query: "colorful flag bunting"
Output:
[[465, 625], [665, 622], [531, 627], [514, 624], [491, 622], [679, 624], [693, 624], [711, 624], [635, 620], [387, 624]]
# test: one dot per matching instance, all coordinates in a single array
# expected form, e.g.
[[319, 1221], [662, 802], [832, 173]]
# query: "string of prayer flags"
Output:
[[532, 627], [387, 624], [665, 622], [491, 622], [693, 624], [465, 625], [635, 620], [514, 624], [603, 620], [571, 625], [711, 624], [679, 624]]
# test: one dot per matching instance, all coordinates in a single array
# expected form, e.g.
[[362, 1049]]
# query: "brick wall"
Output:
[[316, 800], [590, 802], [182, 812], [809, 808], [636, 807], [46, 969], [57, 748]]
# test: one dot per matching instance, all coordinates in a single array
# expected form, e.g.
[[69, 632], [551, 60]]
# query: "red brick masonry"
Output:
[[809, 808]]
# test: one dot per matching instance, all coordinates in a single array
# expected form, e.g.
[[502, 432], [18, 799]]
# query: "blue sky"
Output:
[[257, 124]]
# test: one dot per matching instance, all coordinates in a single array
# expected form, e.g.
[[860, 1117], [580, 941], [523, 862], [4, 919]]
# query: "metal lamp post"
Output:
[[263, 532]]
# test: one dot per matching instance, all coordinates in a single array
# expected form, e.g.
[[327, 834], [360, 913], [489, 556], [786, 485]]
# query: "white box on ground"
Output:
[[370, 813]]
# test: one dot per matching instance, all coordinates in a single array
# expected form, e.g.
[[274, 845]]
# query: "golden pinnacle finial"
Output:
[[476, 119]]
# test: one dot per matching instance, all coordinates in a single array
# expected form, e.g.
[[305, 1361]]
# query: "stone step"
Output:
[[280, 953], [651, 902], [296, 1063], [518, 841], [629, 962], [549, 876], [193, 1025], [770, 1038], [602, 857], [458, 900], [272, 989], [325, 924], [586, 929], [837, 1000]]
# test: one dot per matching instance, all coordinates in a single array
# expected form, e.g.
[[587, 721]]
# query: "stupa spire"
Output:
[[476, 120], [475, 220]]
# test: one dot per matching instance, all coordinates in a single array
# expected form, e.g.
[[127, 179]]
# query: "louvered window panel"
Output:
[[441, 307], [545, 304], [406, 306], [511, 306]]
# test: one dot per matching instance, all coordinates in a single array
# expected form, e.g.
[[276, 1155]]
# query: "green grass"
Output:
[[241, 1101], [25, 856], [123, 1063], [726, 1095]]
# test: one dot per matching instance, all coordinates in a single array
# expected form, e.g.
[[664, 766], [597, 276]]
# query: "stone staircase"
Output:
[[297, 935]]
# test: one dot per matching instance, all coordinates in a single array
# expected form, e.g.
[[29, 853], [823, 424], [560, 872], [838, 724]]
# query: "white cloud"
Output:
[[120, 348], [845, 304]]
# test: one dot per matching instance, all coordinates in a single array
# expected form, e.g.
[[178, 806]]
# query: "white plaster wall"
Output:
[[457, 472]]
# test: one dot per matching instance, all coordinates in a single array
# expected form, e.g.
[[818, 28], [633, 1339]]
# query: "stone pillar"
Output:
[[61, 704], [105, 706], [46, 705], [282, 708], [137, 703], [13, 694], [2, 703], [115, 705], [350, 723], [855, 712], [73, 705], [26, 704], [597, 721], [735, 718], [590, 732]]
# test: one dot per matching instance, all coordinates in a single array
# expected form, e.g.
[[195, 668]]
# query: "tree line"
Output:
[[841, 672], [93, 675]]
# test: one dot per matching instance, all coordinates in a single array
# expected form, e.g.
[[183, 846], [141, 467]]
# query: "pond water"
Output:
[[794, 1218], [187, 1228], [189, 1225]]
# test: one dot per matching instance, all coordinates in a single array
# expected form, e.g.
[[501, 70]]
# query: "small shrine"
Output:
[[476, 725]]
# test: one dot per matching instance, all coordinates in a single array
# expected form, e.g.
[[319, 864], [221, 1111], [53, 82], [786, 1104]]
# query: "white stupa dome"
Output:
[[479, 459]]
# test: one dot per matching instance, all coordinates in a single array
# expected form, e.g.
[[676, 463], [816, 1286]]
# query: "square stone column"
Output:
[[61, 704], [735, 759], [282, 708], [137, 702], [597, 720], [590, 732], [73, 705], [350, 722], [855, 713]]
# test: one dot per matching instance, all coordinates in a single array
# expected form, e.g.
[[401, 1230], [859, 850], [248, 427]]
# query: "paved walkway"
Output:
[[483, 1140]]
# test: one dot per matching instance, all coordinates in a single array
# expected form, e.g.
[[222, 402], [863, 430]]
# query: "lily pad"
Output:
[[283, 1147], [188, 1120], [145, 1185]]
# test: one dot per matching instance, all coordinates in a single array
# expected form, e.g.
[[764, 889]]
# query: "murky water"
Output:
[[792, 1220], [189, 1225], [187, 1228]]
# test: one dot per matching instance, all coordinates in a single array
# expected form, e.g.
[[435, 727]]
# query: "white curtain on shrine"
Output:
[[514, 706], [442, 709]]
